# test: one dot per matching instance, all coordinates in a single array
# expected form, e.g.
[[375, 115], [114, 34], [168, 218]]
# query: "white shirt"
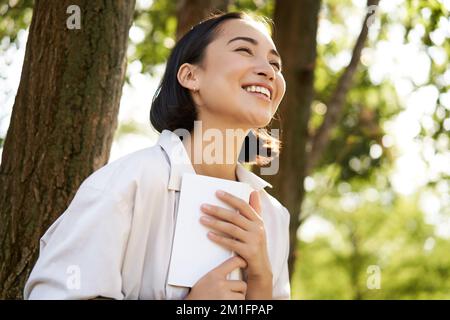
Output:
[[115, 238]]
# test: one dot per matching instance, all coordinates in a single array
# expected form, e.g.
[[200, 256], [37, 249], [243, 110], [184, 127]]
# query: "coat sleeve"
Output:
[[282, 288], [81, 254]]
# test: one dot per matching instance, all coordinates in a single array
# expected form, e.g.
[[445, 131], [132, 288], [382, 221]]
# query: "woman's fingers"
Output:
[[230, 244], [225, 227], [244, 208], [227, 215], [255, 202], [237, 286], [242, 233], [224, 269]]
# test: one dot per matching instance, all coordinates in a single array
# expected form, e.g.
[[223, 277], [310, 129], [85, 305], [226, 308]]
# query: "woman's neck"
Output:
[[216, 157], [223, 171]]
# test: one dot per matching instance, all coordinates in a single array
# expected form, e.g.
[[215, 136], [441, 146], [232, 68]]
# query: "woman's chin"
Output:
[[261, 122], [263, 118], [256, 117]]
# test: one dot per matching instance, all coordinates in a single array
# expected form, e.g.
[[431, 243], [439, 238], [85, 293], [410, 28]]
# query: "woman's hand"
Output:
[[242, 233], [215, 286]]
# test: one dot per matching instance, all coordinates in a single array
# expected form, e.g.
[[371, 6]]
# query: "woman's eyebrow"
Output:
[[254, 42]]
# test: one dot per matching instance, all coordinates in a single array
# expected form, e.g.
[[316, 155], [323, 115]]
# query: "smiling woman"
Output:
[[216, 74], [118, 232]]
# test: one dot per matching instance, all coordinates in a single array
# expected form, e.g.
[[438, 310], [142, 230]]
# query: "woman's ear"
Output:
[[187, 76]]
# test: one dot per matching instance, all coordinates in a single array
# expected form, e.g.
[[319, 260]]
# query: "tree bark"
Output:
[[191, 12], [62, 123], [295, 33]]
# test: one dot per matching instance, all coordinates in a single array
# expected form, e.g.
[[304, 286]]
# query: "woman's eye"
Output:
[[277, 65], [244, 49]]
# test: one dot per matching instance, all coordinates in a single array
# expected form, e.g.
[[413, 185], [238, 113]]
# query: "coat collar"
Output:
[[180, 163]]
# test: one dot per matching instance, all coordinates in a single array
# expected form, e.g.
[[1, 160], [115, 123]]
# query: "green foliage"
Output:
[[370, 225], [264, 7], [15, 15], [369, 105], [159, 26], [129, 127], [366, 108], [391, 235]]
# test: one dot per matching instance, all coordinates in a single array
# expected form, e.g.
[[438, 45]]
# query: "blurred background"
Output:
[[373, 218]]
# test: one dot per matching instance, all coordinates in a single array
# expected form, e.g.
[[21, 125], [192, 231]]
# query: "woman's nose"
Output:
[[266, 70]]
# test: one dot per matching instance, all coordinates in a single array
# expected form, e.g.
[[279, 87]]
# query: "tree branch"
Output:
[[322, 137]]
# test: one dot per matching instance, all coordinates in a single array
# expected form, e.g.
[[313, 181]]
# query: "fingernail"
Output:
[[220, 193], [206, 206]]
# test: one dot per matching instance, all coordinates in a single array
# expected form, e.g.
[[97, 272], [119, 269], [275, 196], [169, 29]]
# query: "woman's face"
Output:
[[241, 60]]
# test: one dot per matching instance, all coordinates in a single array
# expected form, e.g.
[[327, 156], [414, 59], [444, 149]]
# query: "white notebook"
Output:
[[193, 253]]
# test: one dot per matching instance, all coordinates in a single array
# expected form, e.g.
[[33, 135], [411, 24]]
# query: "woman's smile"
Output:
[[258, 90], [258, 95]]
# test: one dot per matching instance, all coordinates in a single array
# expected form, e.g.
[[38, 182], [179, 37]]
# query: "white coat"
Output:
[[115, 238]]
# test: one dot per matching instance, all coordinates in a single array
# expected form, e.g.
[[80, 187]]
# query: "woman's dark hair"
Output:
[[172, 106]]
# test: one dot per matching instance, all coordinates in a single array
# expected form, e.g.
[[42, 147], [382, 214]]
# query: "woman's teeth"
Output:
[[258, 89]]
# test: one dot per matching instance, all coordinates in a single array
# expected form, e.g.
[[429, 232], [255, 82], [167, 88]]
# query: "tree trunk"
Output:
[[62, 123], [295, 36], [191, 12]]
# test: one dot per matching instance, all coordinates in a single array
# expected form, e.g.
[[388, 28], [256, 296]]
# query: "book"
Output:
[[193, 253]]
